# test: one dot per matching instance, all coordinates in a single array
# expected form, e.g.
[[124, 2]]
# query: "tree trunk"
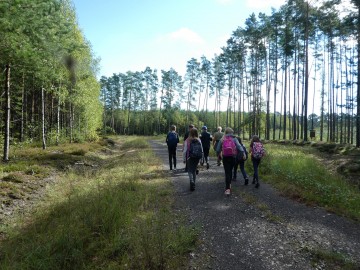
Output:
[[358, 80], [7, 114], [306, 74], [43, 118], [22, 110]]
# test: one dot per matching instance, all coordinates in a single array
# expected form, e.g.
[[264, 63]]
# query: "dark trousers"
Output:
[[191, 166], [229, 163], [256, 163], [206, 154], [242, 169], [172, 157]]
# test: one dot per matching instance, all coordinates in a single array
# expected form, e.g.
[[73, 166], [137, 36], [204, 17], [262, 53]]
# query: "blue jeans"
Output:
[[256, 163], [229, 163], [242, 169]]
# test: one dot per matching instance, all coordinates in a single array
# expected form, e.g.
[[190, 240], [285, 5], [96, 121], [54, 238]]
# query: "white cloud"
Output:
[[261, 4], [187, 35]]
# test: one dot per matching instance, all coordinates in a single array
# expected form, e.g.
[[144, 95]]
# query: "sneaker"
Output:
[[207, 166], [257, 185], [192, 186], [219, 163], [246, 181], [227, 192]]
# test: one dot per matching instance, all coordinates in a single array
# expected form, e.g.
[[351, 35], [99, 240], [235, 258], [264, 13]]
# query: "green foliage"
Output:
[[114, 217], [298, 174]]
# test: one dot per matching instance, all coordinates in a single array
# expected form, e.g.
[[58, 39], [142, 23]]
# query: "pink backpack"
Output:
[[258, 150], [229, 147]]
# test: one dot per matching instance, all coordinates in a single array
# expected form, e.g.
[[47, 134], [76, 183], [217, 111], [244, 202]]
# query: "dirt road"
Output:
[[257, 228]]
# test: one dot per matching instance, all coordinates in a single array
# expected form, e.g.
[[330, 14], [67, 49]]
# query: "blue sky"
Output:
[[162, 34]]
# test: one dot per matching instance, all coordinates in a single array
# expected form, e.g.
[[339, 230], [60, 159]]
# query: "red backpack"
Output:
[[229, 147]]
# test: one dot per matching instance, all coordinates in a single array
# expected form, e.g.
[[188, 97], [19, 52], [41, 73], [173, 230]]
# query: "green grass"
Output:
[[332, 260], [114, 218], [299, 174]]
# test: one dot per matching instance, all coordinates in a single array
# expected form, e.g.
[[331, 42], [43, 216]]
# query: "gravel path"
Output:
[[256, 228]]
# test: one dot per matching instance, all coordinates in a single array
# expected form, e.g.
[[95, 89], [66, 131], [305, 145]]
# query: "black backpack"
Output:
[[195, 150], [240, 155]]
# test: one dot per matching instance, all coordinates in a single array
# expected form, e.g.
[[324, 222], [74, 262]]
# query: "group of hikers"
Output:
[[229, 149]]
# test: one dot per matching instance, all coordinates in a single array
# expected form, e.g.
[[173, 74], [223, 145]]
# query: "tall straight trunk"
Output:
[[7, 114], [268, 87], [289, 103], [275, 86], [281, 101], [358, 80], [294, 97], [43, 118], [322, 108], [341, 99], [284, 103], [22, 109], [306, 74], [58, 122]]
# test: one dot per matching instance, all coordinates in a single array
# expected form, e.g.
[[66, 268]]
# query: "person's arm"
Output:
[[239, 148], [202, 149], [218, 148]]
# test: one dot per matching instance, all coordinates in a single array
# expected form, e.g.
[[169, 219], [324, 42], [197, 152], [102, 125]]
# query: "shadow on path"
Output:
[[255, 228]]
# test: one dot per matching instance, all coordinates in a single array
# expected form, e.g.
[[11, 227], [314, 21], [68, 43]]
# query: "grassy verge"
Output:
[[116, 217], [299, 174]]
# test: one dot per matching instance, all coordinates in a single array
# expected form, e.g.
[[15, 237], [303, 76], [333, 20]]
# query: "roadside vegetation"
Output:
[[302, 174], [110, 208]]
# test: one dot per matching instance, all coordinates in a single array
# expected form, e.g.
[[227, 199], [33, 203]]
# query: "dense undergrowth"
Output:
[[114, 212]]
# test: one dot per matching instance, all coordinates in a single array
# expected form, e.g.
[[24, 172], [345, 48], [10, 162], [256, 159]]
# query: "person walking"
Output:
[[193, 152], [257, 151], [228, 147], [186, 135], [216, 139], [172, 139], [205, 138], [240, 161]]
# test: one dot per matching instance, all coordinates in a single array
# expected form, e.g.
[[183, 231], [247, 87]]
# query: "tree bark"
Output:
[[7, 114], [43, 118]]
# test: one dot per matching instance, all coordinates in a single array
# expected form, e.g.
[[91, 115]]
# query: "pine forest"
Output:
[[289, 75]]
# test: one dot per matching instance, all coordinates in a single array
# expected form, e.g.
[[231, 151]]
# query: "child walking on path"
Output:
[[228, 147], [240, 160], [172, 139], [193, 152], [257, 151], [205, 138]]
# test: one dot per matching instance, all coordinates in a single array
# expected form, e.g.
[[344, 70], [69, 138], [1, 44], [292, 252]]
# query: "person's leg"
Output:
[[174, 156], [228, 163], [256, 163], [235, 170], [192, 164], [170, 157], [242, 169]]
